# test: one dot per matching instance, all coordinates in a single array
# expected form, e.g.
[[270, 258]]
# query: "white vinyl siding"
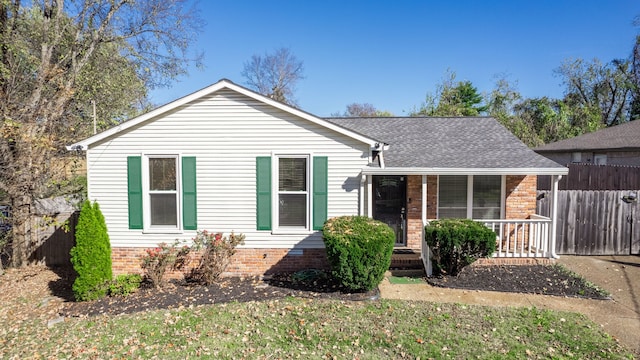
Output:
[[226, 131]]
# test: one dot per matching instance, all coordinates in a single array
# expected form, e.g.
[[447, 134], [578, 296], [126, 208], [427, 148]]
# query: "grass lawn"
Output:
[[317, 329]]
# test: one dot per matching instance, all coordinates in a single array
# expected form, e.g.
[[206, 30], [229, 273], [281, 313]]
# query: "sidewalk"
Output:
[[619, 275]]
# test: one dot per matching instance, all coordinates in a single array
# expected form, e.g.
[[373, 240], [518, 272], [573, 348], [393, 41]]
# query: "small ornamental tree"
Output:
[[359, 250], [216, 256], [91, 256], [456, 243]]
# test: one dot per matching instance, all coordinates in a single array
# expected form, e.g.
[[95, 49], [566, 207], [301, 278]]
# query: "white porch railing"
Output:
[[522, 237], [516, 238]]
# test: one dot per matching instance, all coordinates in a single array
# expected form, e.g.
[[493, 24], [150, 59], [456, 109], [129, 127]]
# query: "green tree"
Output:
[[54, 57], [274, 75], [594, 85], [452, 98], [91, 256], [540, 121]]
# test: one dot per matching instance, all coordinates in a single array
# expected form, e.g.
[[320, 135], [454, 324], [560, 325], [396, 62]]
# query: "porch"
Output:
[[520, 241]]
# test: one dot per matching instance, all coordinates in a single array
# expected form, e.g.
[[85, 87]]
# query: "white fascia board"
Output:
[[465, 171], [84, 144]]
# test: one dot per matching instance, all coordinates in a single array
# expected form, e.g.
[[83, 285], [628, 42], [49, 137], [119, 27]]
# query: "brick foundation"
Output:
[[245, 262]]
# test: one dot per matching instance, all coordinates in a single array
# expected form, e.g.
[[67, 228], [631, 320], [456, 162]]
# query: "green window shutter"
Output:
[[134, 189], [320, 191], [263, 193], [189, 195]]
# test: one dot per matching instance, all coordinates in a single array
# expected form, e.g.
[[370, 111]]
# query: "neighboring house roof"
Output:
[[220, 85], [449, 144], [619, 137]]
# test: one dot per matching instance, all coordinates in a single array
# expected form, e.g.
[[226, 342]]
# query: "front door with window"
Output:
[[390, 204]]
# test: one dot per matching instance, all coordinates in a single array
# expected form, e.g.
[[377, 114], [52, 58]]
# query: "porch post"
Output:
[[555, 179], [363, 178], [369, 197], [425, 253]]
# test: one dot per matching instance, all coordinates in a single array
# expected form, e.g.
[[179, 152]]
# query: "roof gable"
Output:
[[618, 137], [220, 85]]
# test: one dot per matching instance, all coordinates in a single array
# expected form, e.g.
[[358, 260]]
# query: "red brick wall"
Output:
[[432, 196], [414, 207], [245, 262], [414, 211], [521, 196]]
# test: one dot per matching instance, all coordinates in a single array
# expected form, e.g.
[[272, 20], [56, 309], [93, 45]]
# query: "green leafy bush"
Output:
[[124, 285], [359, 250], [91, 256], [456, 243]]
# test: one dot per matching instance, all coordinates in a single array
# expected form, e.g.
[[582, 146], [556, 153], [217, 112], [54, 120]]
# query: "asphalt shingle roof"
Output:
[[461, 142], [619, 137]]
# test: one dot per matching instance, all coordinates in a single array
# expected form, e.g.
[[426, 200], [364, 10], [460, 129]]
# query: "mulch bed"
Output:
[[538, 279], [532, 279], [177, 294]]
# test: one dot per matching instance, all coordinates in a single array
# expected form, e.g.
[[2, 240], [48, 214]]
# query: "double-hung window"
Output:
[[162, 193], [291, 192], [473, 196]]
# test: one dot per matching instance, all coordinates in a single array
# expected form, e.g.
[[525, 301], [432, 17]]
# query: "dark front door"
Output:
[[390, 203]]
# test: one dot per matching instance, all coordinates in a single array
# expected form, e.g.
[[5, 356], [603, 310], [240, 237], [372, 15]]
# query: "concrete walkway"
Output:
[[620, 275]]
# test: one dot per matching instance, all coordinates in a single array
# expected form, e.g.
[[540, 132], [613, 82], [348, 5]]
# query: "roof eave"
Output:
[[464, 171], [628, 148]]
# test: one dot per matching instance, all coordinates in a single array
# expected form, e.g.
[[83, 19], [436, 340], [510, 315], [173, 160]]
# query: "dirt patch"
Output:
[[532, 279]]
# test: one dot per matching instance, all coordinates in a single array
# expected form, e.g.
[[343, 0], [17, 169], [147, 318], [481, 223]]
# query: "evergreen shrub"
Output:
[[456, 243], [91, 256], [359, 250]]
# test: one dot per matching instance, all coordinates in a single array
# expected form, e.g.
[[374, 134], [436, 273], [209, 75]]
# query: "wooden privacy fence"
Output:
[[55, 238], [595, 177], [595, 222]]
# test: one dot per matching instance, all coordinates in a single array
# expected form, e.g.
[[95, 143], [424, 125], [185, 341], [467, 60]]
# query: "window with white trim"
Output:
[[293, 192], [162, 192], [472, 196]]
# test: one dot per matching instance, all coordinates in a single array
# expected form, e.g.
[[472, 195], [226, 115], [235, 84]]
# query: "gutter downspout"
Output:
[[554, 216]]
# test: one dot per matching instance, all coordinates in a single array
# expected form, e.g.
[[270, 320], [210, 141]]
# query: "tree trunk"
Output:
[[22, 231]]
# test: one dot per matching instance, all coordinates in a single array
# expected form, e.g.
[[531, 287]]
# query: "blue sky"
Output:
[[392, 53]]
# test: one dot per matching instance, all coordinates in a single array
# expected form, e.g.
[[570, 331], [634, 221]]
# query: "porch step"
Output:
[[406, 259], [407, 272]]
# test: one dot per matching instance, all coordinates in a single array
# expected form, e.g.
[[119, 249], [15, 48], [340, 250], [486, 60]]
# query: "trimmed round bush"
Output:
[[91, 256], [359, 250], [456, 243]]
